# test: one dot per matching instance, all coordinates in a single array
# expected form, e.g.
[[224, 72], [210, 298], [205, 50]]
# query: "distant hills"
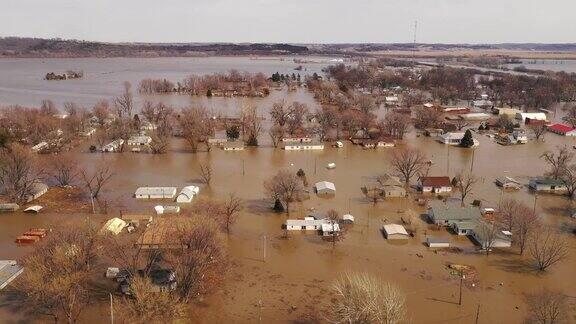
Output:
[[37, 47]]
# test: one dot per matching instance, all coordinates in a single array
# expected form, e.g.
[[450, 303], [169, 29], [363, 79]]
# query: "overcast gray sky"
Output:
[[294, 21]]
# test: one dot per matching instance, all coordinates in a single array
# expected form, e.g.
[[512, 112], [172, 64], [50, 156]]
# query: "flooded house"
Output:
[[508, 183], [444, 215], [187, 194], [9, 270], [325, 188], [139, 140], [510, 112], [233, 146], [395, 232], [475, 116], [114, 146], [37, 189], [218, 141], [307, 224], [549, 185], [9, 207], [436, 242], [502, 239], [520, 135], [303, 146], [435, 185], [147, 126], [562, 129], [454, 138], [155, 193]]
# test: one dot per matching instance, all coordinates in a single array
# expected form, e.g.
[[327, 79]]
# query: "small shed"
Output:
[[325, 188], [36, 190], [187, 194], [347, 219], [436, 242], [33, 209], [395, 232], [9, 207], [114, 226]]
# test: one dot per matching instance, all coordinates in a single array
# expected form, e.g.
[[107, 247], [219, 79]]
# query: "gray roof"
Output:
[[547, 182], [445, 213]]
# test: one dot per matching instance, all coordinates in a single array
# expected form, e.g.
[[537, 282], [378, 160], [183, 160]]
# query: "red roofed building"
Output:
[[437, 185], [562, 129]]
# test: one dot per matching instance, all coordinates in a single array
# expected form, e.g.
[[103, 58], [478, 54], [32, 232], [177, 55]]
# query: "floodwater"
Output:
[[548, 65], [275, 280], [22, 80]]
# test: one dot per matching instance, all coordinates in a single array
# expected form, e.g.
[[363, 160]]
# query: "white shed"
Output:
[[114, 225], [187, 194], [395, 232], [325, 188], [155, 193]]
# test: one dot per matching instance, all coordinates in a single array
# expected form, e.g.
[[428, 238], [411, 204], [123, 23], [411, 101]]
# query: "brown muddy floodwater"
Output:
[[293, 281]]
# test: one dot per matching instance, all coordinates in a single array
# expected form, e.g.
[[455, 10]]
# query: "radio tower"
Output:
[[414, 43]]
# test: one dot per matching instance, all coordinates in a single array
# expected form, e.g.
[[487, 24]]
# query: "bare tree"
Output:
[[19, 172], [64, 293], [48, 108], [124, 104], [146, 304], [558, 162], [196, 125], [160, 142], [508, 212], [205, 173], [285, 187], [373, 192], [408, 163], [280, 112], [251, 124], [547, 248], [231, 210], [395, 125], [460, 124], [546, 307], [569, 179], [96, 179], [101, 111], [361, 298], [538, 129], [296, 117], [427, 117], [276, 133], [465, 184], [526, 223], [63, 168]]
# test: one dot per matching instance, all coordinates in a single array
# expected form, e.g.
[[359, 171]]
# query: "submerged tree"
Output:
[[19, 172], [465, 184], [285, 187], [547, 248], [408, 163], [546, 307]]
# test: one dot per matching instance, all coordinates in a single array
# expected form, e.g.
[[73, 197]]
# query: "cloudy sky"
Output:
[[294, 21]]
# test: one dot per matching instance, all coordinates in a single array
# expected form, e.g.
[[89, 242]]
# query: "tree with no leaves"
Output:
[[19, 172], [57, 278], [538, 129], [284, 186], [547, 248], [63, 168], [546, 307], [197, 126], [205, 171], [124, 104], [558, 162], [96, 179], [408, 163], [519, 219], [276, 133], [361, 298], [465, 182], [232, 208]]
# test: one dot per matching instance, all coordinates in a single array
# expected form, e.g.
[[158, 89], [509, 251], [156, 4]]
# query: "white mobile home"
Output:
[[138, 140], [532, 116], [325, 188], [395, 232], [233, 146], [307, 224], [454, 138], [155, 193], [187, 194], [113, 146], [303, 146]]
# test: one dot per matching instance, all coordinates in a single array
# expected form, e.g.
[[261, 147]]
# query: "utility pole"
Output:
[[111, 310], [448, 160], [414, 42], [315, 162], [477, 313], [264, 247], [243, 169], [472, 164], [535, 200], [462, 277]]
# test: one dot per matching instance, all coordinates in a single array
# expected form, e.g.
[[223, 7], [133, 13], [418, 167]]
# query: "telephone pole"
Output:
[[477, 313]]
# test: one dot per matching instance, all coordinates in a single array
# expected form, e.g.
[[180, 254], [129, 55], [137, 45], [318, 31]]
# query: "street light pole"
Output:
[[111, 310], [462, 277]]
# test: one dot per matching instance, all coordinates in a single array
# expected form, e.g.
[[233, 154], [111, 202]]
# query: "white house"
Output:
[[139, 140], [436, 185], [502, 239], [330, 228], [297, 139], [39, 147], [113, 146], [325, 188], [187, 194], [547, 185], [303, 146], [454, 138], [155, 193], [306, 224]]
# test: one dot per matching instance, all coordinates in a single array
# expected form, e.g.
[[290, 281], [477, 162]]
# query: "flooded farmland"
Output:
[[278, 280]]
